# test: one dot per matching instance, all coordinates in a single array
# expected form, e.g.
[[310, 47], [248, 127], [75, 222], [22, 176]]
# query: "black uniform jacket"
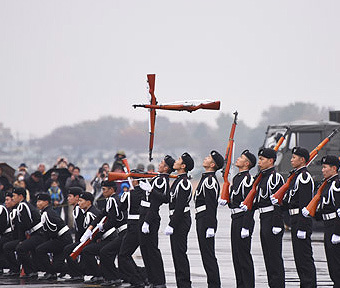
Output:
[[206, 196], [330, 200], [299, 194], [179, 198], [130, 202], [78, 222], [115, 216], [270, 182], [53, 225], [241, 185], [28, 219], [5, 225]]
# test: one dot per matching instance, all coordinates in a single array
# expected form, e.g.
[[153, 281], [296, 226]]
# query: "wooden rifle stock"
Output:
[[77, 250], [190, 108], [228, 156], [251, 195], [283, 189], [311, 207], [114, 176]]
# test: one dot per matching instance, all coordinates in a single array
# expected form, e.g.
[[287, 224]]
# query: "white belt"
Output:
[[145, 203], [294, 211], [8, 230], [108, 233], [186, 209], [200, 208], [236, 211], [133, 217], [63, 230], [329, 216], [35, 228], [122, 228], [266, 209]]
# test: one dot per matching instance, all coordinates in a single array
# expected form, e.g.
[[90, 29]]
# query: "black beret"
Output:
[[19, 191], [218, 159], [107, 183], [170, 162], [87, 196], [188, 161], [251, 157], [9, 194], [331, 160], [75, 191], [302, 152], [44, 197], [267, 153]]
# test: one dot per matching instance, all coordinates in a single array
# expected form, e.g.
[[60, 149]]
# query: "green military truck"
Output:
[[307, 134]]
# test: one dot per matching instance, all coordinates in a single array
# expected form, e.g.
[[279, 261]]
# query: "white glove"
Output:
[[145, 185], [273, 200], [243, 207], [210, 233], [305, 212], [335, 239], [100, 227], [168, 230], [244, 233], [87, 235], [145, 228], [222, 202], [276, 230], [301, 234], [338, 212]]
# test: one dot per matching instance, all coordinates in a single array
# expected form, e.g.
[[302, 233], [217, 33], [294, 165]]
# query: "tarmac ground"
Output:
[[223, 254]]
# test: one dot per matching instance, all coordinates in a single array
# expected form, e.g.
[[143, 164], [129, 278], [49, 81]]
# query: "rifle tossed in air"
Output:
[[185, 106]]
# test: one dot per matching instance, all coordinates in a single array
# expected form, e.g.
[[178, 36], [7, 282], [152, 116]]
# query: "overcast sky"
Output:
[[63, 62]]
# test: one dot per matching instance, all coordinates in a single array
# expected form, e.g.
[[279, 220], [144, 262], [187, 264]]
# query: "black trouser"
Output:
[[56, 247], [73, 266], [107, 256], [272, 251], [207, 249], [242, 259], [179, 247], [26, 252], [9, 253], [3, 240], [130, 243], [88, 260], [332, 252], [303, 254], [151, 254]]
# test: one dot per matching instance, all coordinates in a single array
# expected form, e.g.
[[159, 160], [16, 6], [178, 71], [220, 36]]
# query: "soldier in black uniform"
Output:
[[329, 210], [206, 201], [9, 247], [5, 228], [154, 196], [84, 213], [242, 222], [130, 201], [108, 247], [271, 220], [298, 195], [180, 219], [30, 233], [57, 235]]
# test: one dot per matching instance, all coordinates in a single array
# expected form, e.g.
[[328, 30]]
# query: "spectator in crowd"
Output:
[[61, 163], [42, 168], [117, 163], [57, 197], [35, 185], [4, 181], [150, 168], [22, 184], [70, 167], [106, 167], [75, 180], [53, 177], [124, 187], [22, 169], [96, 182]]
